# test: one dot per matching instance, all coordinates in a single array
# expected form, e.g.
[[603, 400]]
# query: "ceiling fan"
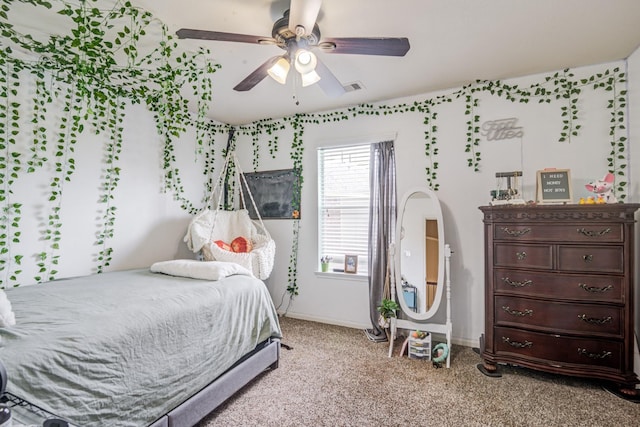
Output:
[[298, 34]]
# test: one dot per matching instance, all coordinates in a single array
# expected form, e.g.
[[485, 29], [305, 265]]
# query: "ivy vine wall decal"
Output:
[[98, 68], [561, 87], [89, 74]]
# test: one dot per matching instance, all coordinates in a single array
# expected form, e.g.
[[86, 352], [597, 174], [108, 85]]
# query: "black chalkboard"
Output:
[[554, 186], [273, 193]]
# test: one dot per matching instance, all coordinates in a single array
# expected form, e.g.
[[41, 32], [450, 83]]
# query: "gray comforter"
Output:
[[124, 348]]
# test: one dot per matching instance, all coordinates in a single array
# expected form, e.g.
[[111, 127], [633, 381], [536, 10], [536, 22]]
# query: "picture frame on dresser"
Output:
[[553, 186]]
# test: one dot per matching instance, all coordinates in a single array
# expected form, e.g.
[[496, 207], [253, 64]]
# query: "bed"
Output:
[[138, 348]]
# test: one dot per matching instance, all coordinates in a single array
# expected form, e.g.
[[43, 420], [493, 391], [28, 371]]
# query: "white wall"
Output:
[[461, 190], [149, 224], [634, 191]]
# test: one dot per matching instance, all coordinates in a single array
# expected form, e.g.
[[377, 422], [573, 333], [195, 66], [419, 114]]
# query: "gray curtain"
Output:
[[382, 225]]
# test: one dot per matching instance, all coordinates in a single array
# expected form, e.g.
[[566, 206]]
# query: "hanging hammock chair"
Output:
[[232, 236]]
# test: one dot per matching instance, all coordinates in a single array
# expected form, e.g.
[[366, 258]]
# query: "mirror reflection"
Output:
[[420, 253]]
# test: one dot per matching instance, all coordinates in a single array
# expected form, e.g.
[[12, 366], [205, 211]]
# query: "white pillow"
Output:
[[7, 317], [194, 269]]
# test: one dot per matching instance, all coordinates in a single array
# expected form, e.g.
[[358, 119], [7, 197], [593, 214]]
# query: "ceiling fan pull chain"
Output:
[[295, 87]]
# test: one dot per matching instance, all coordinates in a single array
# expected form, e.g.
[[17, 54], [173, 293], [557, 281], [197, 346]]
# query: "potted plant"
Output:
[[387, 309], [324, 263]]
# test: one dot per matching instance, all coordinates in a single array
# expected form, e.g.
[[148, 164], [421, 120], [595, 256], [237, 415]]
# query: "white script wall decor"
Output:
[[495, 130]]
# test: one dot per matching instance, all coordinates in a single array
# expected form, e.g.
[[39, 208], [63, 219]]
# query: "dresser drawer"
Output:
[[574, 318], [579, 233], [523, 256], [609, 289], [558, 350], [608, 259]]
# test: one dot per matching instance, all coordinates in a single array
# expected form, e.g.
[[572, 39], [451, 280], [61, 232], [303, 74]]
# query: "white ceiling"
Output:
[[453, 42]]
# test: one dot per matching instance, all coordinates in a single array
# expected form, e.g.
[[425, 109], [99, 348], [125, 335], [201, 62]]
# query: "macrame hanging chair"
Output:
[[214, 224]]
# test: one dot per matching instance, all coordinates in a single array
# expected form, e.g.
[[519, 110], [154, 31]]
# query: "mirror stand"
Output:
[[439, 328]]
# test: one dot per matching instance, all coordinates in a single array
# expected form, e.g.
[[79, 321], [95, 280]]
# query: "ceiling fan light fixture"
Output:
[[310, 78], [279, 70], [305, 61]]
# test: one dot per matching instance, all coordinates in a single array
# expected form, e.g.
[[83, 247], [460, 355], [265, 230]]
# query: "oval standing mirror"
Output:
[[419, 254]]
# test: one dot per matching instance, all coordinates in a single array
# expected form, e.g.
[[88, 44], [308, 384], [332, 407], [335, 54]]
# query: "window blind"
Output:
[[343, 191]]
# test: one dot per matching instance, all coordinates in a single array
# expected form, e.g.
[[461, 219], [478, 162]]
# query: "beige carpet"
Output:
[[334, 376]]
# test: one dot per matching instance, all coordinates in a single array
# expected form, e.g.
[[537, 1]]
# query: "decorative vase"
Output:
[[325, 267]]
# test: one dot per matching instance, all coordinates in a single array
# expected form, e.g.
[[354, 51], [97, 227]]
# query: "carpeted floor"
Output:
[[335, 376]]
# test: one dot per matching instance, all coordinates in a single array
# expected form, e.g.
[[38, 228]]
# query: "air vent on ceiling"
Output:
[[351, 87]]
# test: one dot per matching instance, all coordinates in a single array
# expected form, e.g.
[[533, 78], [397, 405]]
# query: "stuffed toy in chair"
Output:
[[603, 187]]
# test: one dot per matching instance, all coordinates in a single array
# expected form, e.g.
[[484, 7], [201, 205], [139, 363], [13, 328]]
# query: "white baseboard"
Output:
[[326, 321], [458, 341], [465, 342]]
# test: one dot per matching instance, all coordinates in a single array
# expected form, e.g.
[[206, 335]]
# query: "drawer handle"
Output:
[[587, 258], [590, 233], [594, 289], [521, 255], [584, 352], [595, 320], [516, 233], [517, 344], [526, 312], [516, 284]]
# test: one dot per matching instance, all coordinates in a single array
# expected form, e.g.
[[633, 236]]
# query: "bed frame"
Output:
[[190, 412]]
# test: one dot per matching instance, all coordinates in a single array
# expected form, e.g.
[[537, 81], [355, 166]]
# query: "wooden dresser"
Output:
[[559, 290]]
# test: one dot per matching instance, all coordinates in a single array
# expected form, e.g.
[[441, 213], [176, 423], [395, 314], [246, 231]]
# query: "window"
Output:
[[343, 192]]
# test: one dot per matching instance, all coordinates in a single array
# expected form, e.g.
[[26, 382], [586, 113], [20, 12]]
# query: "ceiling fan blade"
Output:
[[256, 76], [328, 82], [386, 46], [303, 13], [186, 33]]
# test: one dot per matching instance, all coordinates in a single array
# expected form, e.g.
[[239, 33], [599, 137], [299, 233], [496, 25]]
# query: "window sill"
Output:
[[342, 276]]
